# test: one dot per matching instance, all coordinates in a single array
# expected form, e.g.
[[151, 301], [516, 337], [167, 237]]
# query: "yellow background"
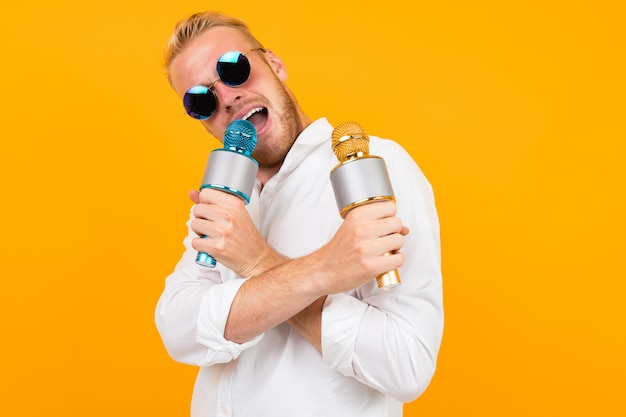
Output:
[[515, 111]]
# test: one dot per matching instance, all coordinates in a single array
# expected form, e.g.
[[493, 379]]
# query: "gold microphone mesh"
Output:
[[350, 140]]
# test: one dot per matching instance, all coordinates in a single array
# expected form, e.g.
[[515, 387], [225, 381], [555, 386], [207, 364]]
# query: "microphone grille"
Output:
[[240, 136], [349, 141]]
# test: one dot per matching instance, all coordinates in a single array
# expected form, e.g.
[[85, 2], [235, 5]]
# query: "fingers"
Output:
[[366, 245], [215, 214], [390, 243], [211, 204], [218, 197], [375, 210], [376, 220], [229, 234], [194, 196]]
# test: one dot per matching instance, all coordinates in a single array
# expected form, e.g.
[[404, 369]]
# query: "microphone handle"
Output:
[[388, 279], [362, 181], [228, 167], [203, 258], [206, 260]]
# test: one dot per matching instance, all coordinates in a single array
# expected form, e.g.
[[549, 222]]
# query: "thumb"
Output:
[[194, 196]]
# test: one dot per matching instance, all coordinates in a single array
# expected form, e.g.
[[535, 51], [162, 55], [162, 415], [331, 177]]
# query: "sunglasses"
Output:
[[233, 68]]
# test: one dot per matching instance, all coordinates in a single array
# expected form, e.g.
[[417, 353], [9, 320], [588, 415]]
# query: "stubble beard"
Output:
[[270, 156]]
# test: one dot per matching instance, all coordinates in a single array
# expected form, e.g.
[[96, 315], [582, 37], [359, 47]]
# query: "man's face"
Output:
[[263, 99]]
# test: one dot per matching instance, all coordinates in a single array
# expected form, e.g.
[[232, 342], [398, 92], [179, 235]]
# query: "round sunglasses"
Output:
[[233, 68]]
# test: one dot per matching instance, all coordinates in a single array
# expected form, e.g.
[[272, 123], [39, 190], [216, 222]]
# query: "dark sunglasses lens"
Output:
[[233, 68], [200, 102]]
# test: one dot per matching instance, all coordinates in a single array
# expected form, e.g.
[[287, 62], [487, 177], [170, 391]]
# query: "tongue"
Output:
[[258, 119]]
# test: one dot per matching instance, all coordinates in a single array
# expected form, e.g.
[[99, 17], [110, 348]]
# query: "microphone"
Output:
[[360, 178], [231, 169]]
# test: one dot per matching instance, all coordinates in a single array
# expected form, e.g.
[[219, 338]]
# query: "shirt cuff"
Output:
[[212, 317], [341, 318]]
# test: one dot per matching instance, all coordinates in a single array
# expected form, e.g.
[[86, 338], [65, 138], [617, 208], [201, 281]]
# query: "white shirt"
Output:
[[379, 347]]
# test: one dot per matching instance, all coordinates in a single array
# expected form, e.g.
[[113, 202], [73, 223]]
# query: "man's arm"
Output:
[[278, 289], [308, 323]]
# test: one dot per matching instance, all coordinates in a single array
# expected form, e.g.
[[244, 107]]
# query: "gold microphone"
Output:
[[360, 178]]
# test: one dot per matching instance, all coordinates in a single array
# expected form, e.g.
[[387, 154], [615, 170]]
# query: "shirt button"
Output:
[[224, 409]]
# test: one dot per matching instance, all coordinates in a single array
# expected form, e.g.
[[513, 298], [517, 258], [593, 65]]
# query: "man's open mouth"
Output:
[[257, 116]]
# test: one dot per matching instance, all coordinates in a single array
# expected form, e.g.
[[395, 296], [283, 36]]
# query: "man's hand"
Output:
[[357, 253], [231, 236], [364, 247]]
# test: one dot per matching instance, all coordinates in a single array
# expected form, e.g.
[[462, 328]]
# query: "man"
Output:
[[291, 322]]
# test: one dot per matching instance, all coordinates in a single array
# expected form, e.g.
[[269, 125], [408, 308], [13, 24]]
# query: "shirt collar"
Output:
[[314, 135]]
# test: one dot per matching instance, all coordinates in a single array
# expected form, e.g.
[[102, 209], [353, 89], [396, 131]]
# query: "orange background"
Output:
[[515, 111]]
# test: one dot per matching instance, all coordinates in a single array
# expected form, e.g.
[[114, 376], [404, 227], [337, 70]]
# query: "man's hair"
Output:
[[189, 28]]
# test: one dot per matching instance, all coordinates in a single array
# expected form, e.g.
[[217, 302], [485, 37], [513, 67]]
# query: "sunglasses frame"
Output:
[[208, 90]]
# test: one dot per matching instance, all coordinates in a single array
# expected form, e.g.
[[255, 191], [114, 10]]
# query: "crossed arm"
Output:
[[294, 290]]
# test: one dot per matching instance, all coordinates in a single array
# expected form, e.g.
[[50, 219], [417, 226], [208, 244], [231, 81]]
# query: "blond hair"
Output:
[[187, 29]]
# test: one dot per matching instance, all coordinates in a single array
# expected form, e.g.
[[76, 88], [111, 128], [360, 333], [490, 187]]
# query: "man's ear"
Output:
[[277, 65]]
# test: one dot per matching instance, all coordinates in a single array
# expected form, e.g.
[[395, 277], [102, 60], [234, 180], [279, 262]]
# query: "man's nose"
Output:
[[227, 96]]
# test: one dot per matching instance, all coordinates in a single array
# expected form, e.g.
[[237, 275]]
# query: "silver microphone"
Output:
[[360, 178]]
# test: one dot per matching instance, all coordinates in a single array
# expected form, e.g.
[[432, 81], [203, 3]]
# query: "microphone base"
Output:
[[206, 260], [388, 280]]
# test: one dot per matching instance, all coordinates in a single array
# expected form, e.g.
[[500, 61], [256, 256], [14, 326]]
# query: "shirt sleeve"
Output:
[[389, 340], [192, 311]]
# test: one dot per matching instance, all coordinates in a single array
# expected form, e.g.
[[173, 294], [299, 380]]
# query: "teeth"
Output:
[[251, 112]]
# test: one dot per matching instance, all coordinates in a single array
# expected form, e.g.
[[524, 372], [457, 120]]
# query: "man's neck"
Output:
[[265, 174]]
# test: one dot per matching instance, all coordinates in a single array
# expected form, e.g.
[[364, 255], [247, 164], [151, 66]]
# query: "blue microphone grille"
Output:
[[240, 136]]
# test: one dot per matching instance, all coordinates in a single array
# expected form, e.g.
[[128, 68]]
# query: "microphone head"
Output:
[[240, 136], [350, 141]]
